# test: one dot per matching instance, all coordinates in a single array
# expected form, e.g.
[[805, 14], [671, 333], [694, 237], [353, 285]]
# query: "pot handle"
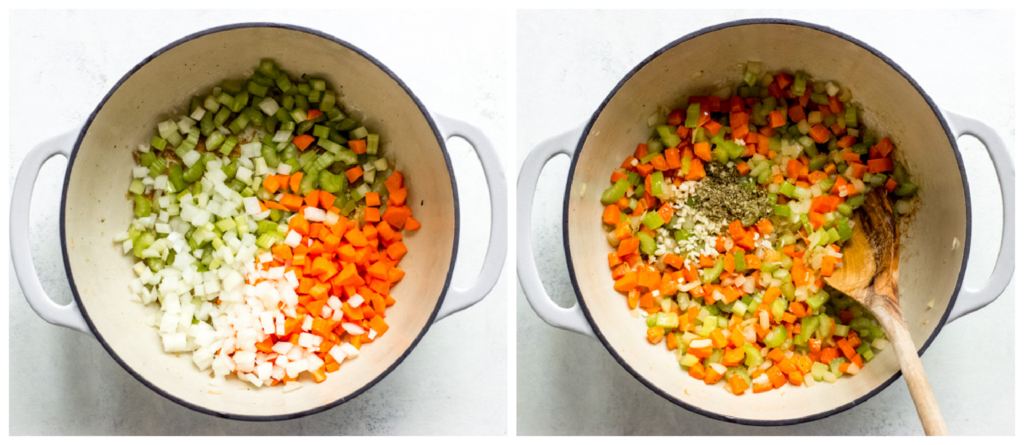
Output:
[[67, 315], [570, 319], [459, 299], [970, 300]]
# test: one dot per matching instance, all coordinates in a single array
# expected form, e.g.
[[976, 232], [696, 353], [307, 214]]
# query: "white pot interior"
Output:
[[96, 208], [930, 261]]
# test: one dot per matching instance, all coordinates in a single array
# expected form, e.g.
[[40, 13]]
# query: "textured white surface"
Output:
[[454, 382], [567, 64]]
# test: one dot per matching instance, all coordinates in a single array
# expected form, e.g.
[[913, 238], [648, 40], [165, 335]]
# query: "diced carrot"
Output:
[[303, 141], [396, 216], [673, 158], [796, 114], [313, 199], [397, 250], [294, 182], [371, 214], [703, 151], [395, 181], [738, 385], [357, 145], [743, 168], [372, 199], [291, 202], [884, 147], [611, 215], [412, 224], [819, 133], [879, 165], [354, 173], [271, 184]]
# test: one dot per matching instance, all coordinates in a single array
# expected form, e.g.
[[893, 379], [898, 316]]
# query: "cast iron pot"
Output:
[[93, 209], [932, 264]]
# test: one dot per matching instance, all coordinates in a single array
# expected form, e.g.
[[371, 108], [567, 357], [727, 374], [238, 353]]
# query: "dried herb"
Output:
[[725, 195]]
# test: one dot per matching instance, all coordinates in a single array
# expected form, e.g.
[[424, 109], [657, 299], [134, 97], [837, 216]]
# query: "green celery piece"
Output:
[[228, 145], [778, 309], [824, 326], [851, 116], [657, 183], [667, 320], [372, 143], [818, 371], [710, 275], [865, 351], [230, 169], [734, 149], [905, 189], [158, 143], [241, 100], [720, 154], [786, 188], [327, 101], [214, 140], [843, 228], [692, 115], [817, 300], [808, 325], [136, 186], [652, 220], [647, 244], [222, 116], [610, 195], [649, 157], [826, 184], [776, 337], [740, 261], [834, 366], [358, 133], [856, 201], [817, 162], [782, 210], [668, 136], [753, 356], [195, 171], [845, 209], [799, 84], [157, 167], [145, 159], [308, 183]]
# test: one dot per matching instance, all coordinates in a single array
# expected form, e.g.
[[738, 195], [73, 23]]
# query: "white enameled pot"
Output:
[[934, 244], [94, 208]]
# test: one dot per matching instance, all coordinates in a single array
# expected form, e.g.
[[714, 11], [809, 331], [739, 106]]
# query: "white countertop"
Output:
[[62, 382], [568, 61]]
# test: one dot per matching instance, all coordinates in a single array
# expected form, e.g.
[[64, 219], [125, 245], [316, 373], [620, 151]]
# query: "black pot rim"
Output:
[[67, 181], [572, 269]]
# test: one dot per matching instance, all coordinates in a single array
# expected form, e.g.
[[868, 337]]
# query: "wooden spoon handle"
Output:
[[913, 373]]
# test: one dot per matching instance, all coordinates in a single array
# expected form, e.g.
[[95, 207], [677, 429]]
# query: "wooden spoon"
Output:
[[869, 275]]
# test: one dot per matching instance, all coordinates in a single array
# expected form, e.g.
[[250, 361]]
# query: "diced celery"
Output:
[[753, 356], [667, 320], [652, 220], [137, 187], [647, 244], [358, 133], [710, 275]]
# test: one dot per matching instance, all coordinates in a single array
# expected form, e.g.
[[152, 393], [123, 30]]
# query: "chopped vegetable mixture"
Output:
[[268, 230], [725, 221]]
